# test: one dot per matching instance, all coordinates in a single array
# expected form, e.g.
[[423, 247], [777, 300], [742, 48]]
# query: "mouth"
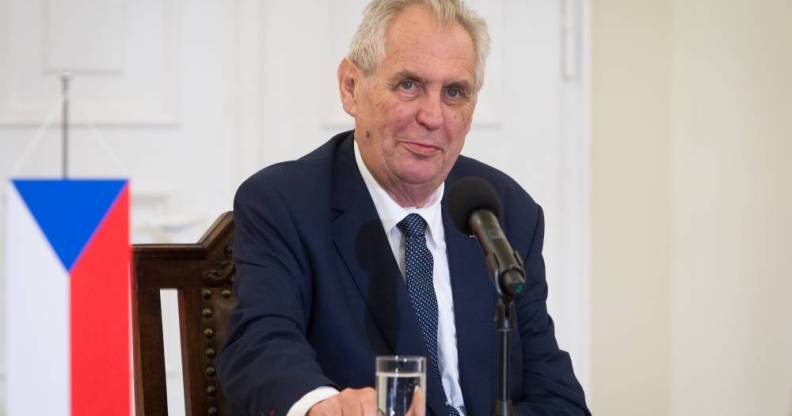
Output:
[[421, 149]]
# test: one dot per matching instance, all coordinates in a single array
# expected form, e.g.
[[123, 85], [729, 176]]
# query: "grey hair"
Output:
[[368, 44]]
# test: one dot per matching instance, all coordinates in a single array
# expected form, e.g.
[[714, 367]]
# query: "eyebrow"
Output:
[[407, 74]]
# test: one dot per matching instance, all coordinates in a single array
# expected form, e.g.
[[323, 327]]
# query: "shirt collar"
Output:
[[391, 213]]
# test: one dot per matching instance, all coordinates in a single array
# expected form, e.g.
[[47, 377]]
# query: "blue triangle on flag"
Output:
[[68, 211]]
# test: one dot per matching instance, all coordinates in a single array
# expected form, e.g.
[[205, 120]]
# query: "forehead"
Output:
[[416, 41]]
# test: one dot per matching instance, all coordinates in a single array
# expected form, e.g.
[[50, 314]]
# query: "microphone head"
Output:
[[468, 195]]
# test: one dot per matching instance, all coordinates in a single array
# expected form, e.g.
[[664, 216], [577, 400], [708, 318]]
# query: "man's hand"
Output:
[[350, 402], [418, 404]]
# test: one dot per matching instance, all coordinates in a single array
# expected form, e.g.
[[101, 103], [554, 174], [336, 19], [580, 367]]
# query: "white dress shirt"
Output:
[[391, 213]]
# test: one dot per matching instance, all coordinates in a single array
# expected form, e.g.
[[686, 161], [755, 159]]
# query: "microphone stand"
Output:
[[507, 270], [504, 322]]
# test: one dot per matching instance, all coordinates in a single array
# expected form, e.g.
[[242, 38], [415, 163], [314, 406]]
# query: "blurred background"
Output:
[[656, 135], [691, 204]]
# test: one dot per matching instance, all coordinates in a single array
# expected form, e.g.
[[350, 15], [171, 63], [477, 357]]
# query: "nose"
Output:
[[430, 111]]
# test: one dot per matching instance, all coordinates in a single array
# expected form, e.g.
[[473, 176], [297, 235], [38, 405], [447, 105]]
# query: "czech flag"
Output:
[[68, 298]]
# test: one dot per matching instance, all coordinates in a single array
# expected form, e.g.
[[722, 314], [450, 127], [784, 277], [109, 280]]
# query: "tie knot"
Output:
[[412, 225]]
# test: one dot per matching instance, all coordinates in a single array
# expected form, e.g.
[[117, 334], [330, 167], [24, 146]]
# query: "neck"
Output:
[[407, 195]]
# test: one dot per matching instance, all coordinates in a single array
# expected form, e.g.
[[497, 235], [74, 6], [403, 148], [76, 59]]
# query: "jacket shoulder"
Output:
[[293, 180], [521, 214], [505, 185]]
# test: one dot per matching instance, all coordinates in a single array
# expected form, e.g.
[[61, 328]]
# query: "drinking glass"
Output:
[[401, 386]]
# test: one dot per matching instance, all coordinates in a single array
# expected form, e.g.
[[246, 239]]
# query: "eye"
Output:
[[407, 84], [455, 93]]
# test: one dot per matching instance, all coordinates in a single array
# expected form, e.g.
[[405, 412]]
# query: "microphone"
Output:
[[475, 208]]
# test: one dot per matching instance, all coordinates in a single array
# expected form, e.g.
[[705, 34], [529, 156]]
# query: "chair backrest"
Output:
[[202, 275]]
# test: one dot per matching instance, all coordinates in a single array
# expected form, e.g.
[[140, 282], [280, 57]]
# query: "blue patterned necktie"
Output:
[[418, 270]]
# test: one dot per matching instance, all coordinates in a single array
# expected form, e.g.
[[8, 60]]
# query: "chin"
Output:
[[420, 172], [419, 178]]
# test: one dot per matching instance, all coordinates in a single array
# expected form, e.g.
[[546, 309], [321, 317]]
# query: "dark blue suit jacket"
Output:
[[320, 294]]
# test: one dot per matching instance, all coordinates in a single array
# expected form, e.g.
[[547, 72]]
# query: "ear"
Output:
[[349, 77]]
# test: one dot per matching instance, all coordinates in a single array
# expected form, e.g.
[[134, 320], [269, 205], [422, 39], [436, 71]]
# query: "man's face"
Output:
[[413, 112]]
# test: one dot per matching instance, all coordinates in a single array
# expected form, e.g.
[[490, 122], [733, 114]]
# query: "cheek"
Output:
[[459, 120], [399, 116]]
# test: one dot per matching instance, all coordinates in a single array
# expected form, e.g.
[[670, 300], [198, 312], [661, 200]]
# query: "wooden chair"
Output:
[[202, 275]]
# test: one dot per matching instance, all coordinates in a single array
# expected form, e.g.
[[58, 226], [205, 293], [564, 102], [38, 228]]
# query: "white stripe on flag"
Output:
[[37, 314]]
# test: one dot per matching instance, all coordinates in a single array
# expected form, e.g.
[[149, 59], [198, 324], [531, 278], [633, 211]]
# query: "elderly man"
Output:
[[325, 281]]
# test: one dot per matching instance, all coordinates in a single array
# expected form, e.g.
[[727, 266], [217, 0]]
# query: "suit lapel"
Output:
[[474, 306]]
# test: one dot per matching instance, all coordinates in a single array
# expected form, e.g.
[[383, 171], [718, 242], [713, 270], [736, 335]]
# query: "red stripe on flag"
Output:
[[100, 287]]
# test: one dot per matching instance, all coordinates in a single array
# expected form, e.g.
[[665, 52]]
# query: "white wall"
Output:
[[160, 89], [691, 285], [630, 207], [731, 274]]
